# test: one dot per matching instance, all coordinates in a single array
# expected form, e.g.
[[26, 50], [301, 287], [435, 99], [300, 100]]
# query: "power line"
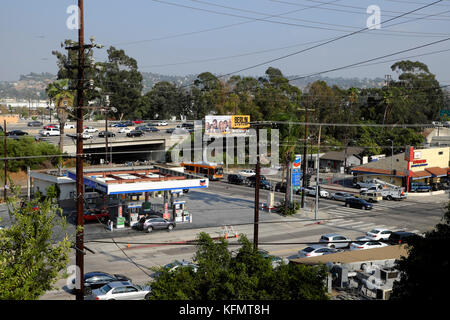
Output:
[[327, 42]]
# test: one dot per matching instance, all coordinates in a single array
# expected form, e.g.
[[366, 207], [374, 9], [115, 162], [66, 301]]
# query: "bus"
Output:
[[209, 170]]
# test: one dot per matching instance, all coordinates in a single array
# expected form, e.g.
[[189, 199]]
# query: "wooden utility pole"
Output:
[[5, 186], [257, 178], [304, 157], [79, 158]]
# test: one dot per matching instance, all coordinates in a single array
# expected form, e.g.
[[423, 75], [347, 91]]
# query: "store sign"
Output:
[[296, 177]]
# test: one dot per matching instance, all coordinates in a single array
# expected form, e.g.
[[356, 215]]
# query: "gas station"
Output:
[[132, 193]]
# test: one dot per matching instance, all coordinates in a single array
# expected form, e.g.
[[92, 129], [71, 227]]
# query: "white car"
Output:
[[124, 130], [69, 126], [366, 244], [119, 290], [90, 129], [162, 123], [334, 240], [378, 234], [247, 173], [316, 250], [311, 191], [49, 132]]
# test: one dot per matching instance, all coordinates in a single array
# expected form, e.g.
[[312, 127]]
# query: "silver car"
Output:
[[334, 240], [341, 196], [316, 250], [120, 290]]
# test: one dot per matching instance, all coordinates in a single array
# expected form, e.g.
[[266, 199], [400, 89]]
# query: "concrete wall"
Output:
[[9, 119]]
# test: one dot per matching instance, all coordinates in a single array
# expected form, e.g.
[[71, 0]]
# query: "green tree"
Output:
[[30, 257], [59, 92], [247, 275], [425, 254]]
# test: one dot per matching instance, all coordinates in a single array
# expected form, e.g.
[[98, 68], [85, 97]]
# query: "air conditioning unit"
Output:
[[384, 294], [387, 274]]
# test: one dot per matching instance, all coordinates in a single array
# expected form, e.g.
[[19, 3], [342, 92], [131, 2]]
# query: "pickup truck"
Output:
[[419, 187]]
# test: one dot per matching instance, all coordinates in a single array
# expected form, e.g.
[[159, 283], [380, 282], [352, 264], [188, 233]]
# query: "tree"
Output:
[[59, 92], [426, 255], [248, 275], [121, 78], [30, 258]]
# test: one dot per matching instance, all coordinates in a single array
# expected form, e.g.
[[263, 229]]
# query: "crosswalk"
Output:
[[351, 218]]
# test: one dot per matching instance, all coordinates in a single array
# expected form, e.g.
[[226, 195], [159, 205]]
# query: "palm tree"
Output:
[[59, 92]]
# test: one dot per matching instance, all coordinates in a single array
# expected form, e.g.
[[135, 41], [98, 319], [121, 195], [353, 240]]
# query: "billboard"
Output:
[[226, 124]]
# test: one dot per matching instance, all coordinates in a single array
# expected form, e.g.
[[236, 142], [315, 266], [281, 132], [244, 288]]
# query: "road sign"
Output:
[[296, 177]]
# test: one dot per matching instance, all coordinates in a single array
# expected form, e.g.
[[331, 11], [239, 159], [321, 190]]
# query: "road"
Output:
[[224, 204]]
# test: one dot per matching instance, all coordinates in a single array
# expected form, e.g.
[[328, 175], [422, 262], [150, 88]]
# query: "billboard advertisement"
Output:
[[226, 124]]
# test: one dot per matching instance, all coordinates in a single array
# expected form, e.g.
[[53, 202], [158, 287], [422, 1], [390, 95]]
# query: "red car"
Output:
[[138, 121], [51, 126], [96, 215]]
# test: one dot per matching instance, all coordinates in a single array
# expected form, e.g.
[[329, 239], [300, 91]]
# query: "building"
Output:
[[335, 161], [429, 166]]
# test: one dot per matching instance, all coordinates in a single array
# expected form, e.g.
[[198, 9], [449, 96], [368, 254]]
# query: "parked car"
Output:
[[236, 179], [140, 224], [251, 180], [69, 126], [124, 130], [247, 172], [366, 244], [358, 203], [378, 234], [49, 132], [316, 250], [170, 130], [135, 133], [173, 266], [34, 124], [97, 279], [52, 125], [96, 215], [158, 223], [162, 123], [281, 187], [102, 134], [371, 196], [152, 129], [137, 121], [90, 129], [275, 260], [119, 290], [16, 133], [142, 128], [400, 237], [341, 196], [119, 125], [84, 135], [334, 240], [419, 187]]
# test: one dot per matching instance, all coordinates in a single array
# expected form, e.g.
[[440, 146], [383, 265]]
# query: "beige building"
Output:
[[420, 165]]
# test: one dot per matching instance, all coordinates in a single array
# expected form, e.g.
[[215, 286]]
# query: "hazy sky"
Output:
[[175, 40]]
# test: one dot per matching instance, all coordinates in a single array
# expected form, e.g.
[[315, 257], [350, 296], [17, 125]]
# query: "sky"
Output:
[[181, 37]]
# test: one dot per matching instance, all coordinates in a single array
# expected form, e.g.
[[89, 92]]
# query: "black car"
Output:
[[97, 279], [152, 129], [16, 133], [251, 180], [135, 133], [236, 179], [281, 187], [102, 134], [399, 237], [358, 203], [34, 124], [170, 130]]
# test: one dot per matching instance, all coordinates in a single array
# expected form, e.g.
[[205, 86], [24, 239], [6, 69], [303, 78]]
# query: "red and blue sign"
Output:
[[297, 161]]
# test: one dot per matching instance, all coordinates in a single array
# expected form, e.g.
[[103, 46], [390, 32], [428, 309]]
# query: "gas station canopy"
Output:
[[123, 180]]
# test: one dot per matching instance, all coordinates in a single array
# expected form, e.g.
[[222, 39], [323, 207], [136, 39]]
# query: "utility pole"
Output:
[[304, 158], [5, 186], [316, 208], [79, 157], [257, 178]]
